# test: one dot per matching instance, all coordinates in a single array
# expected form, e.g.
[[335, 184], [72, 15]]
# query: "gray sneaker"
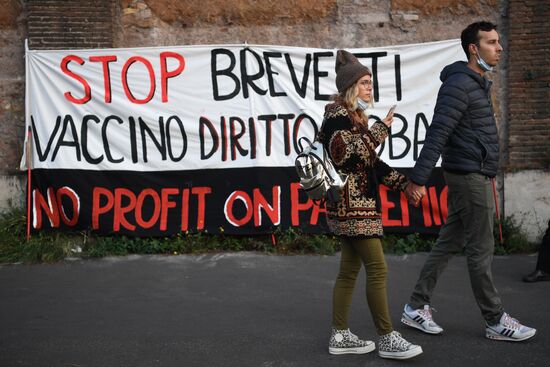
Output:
[[394, 346], [345, 342], [421, 319], [509, 329]]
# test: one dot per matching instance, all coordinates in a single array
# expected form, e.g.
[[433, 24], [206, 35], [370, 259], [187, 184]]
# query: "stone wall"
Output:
[[12, 84], [321, 23], [12, 107], [527, 199], [57, 24], [50, 24]]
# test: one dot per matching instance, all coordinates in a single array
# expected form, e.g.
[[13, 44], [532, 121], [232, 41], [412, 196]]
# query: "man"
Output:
[[542, 269], [464, 133]]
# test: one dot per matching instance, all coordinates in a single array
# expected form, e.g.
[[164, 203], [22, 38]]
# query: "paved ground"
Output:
[[243, 309]]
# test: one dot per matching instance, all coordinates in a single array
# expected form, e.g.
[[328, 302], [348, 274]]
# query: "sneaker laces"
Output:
[[396, 340], [353, 337], [510, 322], [426, 312]]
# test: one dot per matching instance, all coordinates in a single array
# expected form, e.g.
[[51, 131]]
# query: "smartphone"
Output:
[[392, 108]]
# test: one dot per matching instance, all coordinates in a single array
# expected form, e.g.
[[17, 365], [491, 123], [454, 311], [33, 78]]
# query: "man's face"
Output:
[[489, 48]]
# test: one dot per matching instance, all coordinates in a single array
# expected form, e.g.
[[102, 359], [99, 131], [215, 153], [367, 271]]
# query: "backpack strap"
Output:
[[308, 142]]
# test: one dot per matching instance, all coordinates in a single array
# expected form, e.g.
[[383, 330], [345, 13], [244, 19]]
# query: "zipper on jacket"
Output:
[[482, 150]]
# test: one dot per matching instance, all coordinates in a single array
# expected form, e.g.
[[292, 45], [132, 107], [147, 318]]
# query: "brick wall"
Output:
[[61, 24], [529, 85]]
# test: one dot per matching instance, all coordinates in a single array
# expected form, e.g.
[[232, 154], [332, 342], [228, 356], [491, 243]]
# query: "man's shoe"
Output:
[[421, 319], [394, 346], [345, 342], [536, 276], [509, 329]]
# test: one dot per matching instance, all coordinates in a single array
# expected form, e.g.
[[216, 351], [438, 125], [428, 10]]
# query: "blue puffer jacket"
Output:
[[463, 128]]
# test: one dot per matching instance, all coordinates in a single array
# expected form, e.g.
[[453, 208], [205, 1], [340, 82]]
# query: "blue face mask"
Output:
[[362, 104], [482, 64]]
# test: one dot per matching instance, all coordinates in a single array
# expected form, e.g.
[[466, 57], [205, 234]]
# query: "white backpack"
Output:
[[317, 174]]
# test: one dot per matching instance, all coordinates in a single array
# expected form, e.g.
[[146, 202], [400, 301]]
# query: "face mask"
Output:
[[482, 64], [362, 104]]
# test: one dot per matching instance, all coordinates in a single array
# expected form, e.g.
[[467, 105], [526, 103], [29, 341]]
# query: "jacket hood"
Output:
[[461, 67]]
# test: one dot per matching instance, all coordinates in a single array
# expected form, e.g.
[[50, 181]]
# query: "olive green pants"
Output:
[[354, 253]]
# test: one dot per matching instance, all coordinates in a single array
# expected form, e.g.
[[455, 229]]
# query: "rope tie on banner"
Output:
[[493, 181], [28, 161]]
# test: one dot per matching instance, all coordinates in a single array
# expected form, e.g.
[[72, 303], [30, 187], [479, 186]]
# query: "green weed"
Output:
[[51, 246]]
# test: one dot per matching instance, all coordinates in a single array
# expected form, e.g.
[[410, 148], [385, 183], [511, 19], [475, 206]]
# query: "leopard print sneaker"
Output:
[[345, 342], [393, 345]]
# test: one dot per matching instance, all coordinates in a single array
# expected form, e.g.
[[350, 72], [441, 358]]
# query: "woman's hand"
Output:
[[388, 120]]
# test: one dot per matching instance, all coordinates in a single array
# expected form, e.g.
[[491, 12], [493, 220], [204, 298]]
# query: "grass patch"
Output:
[[408, 244], [515, 239], [52, 246]]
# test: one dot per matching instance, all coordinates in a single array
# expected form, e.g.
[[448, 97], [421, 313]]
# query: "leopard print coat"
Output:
[[351, 145]]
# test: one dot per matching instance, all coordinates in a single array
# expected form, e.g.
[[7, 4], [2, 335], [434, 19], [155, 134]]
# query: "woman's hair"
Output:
[[349, 99]]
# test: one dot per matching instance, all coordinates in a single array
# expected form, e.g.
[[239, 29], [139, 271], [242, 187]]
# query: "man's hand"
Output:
[[414, 193]]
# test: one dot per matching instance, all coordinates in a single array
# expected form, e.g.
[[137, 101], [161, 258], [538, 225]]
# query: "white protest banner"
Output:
[[168, 139]]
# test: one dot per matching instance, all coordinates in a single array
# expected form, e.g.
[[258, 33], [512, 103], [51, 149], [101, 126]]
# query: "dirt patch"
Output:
[[10, 11], [456, 7], [237, 12]]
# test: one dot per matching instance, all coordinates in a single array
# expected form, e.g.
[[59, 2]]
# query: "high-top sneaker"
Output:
[[345, 342], [393, 346]]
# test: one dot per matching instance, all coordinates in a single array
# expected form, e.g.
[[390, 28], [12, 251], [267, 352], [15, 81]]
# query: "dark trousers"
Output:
[[469, 226], [543, 261]]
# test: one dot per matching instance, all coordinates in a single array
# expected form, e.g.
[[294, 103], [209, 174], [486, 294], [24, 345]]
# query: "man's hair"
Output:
[[471, 34]]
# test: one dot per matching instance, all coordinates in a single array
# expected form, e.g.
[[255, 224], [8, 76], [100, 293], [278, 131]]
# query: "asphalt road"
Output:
[[244, 309]]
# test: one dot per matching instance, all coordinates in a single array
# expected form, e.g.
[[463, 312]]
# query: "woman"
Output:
[[356, 217]]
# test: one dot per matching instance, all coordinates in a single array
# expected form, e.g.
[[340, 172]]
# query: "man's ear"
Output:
[[473, 49]]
